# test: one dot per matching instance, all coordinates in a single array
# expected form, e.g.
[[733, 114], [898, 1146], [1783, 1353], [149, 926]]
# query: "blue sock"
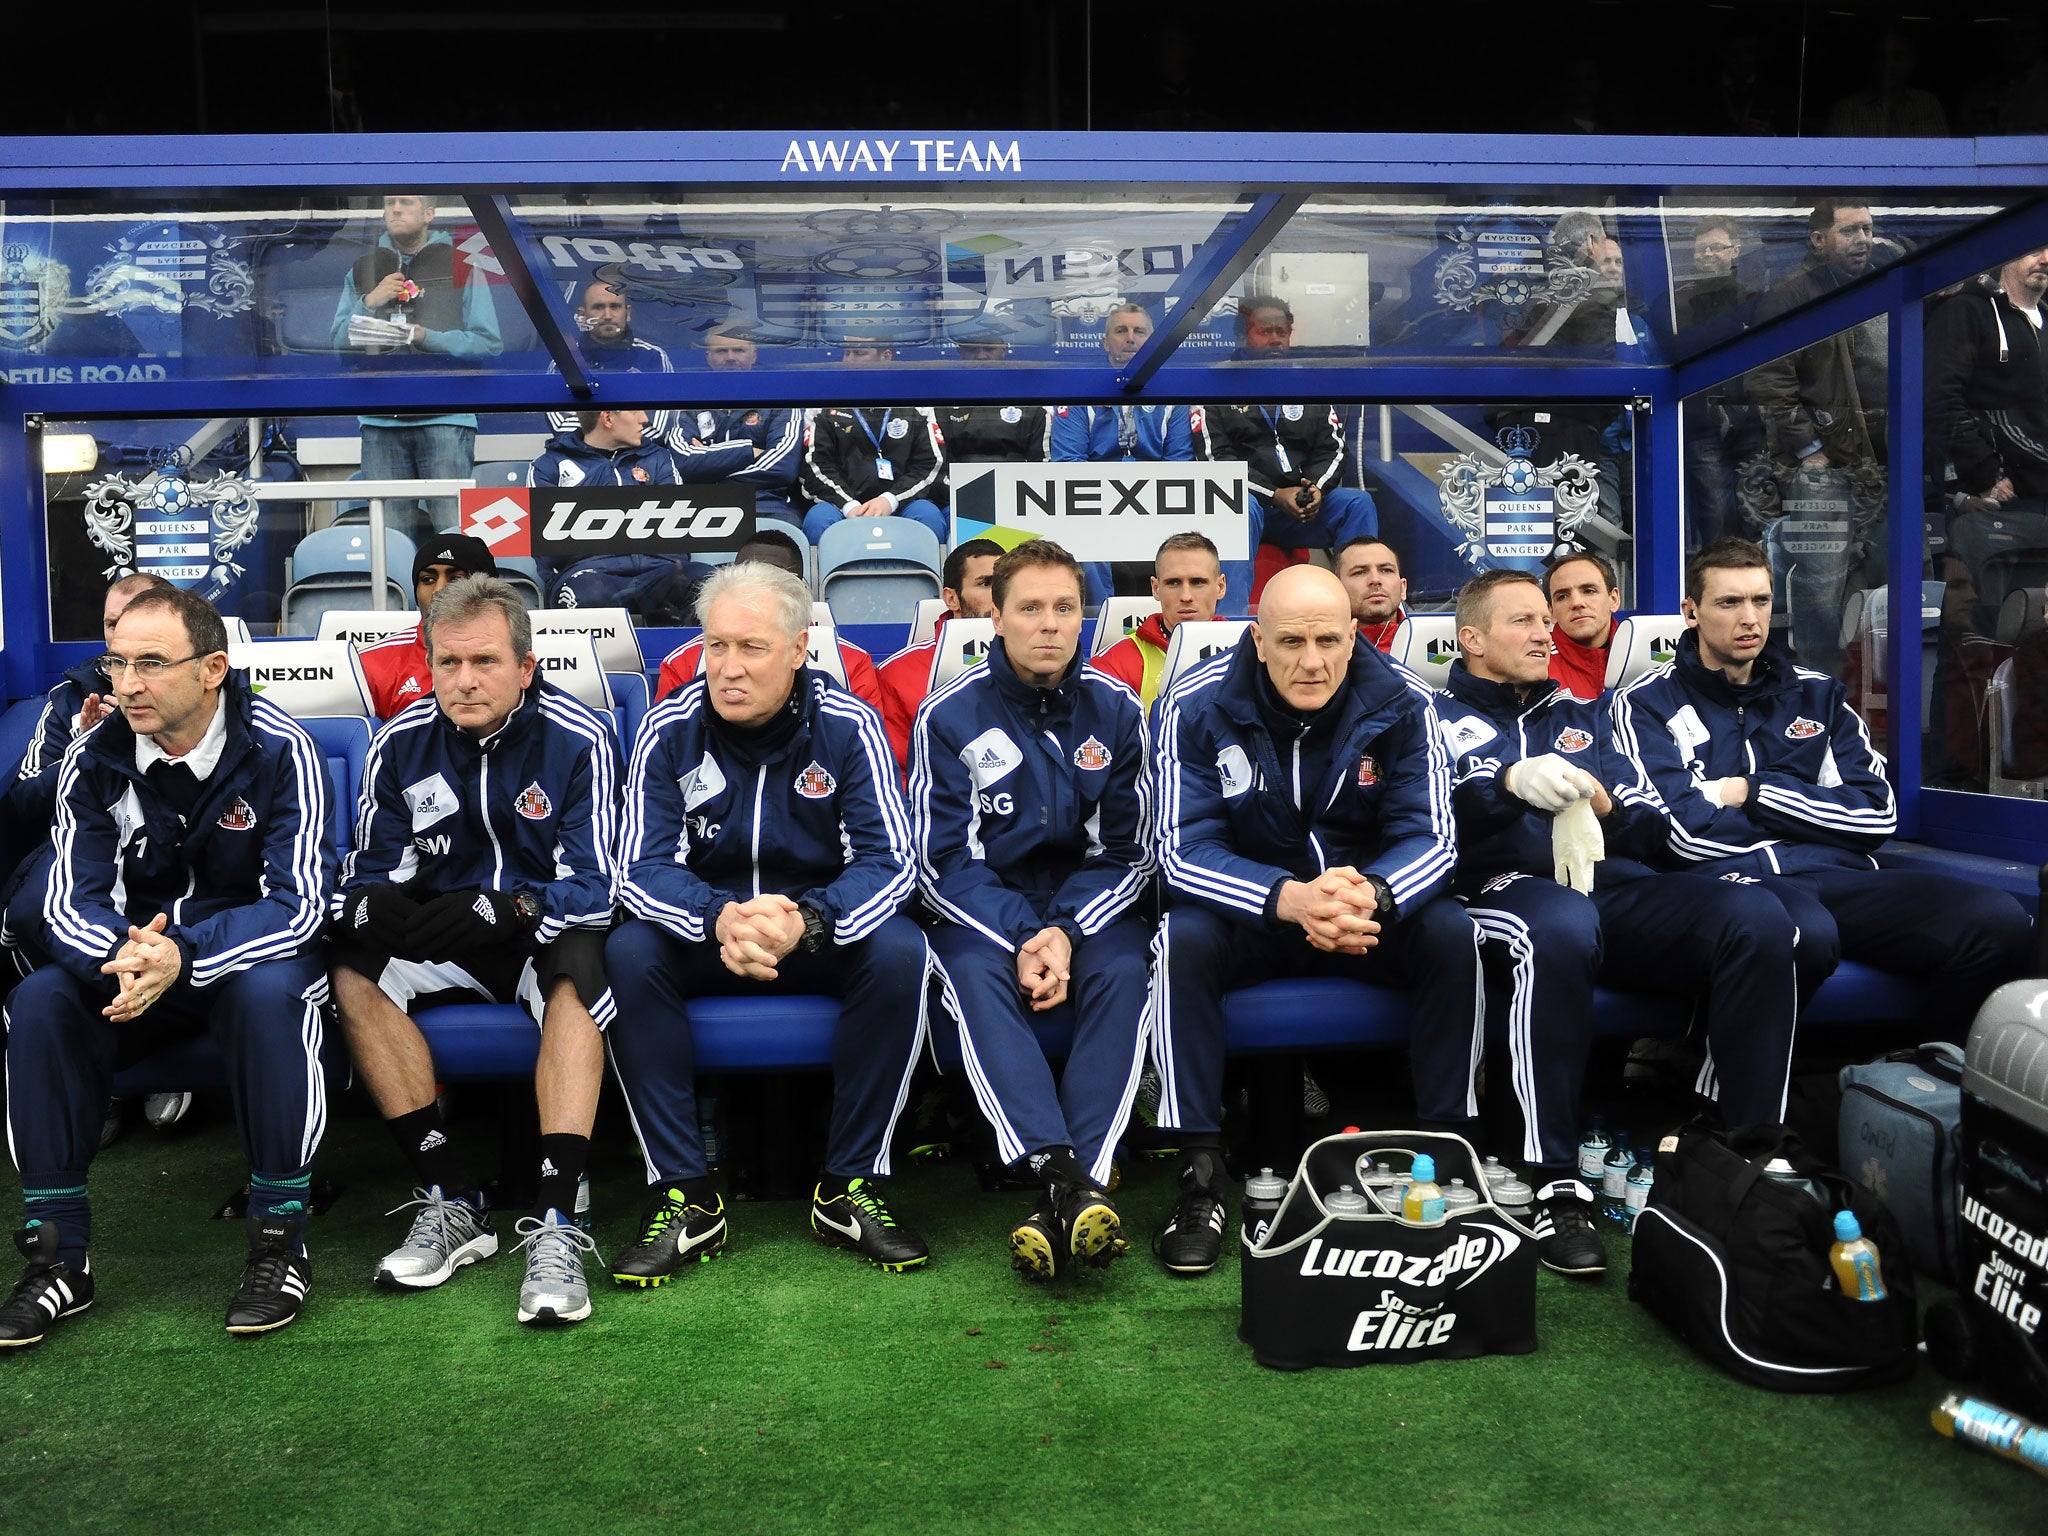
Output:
[[71, 1213]]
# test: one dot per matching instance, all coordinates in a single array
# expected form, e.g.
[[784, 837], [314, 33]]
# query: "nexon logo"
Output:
[[651, 520], [264, 677]]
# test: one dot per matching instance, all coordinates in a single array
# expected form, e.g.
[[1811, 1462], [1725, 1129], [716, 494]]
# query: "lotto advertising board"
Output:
[[587, 520]]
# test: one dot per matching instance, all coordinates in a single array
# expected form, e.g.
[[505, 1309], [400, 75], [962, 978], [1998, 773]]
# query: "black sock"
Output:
[[699, 1191], [427, 1146], [561, 1167], [1051, 1166], [1202, 1164]]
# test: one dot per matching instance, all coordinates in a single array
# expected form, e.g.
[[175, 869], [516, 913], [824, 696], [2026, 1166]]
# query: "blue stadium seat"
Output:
[[875, 570], [631, 699], [331, 569]]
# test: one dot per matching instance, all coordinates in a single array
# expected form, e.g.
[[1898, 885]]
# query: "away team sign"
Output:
[[1103, 511], [646, 519]]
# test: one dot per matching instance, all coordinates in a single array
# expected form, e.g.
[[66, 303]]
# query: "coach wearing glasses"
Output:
[[193, 860]]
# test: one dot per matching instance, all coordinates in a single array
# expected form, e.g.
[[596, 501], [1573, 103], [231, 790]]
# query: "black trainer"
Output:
[[275, 1280], [1192, 1240], [1567, 1240], [855, 1217], [49, 1289], [1088, 1223], [674, 1232], [1037, 1248]]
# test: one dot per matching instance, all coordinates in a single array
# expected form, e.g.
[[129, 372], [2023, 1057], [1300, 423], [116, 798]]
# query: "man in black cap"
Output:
[[396, 668]]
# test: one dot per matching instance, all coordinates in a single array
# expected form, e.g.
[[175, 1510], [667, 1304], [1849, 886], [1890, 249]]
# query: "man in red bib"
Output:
[[1584, 597]]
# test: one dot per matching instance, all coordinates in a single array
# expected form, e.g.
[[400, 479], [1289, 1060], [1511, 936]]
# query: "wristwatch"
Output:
[[815, 931], [1383, 911], [526, 907]]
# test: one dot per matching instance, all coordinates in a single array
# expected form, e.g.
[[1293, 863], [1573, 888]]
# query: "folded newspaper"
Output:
[[370, 332]]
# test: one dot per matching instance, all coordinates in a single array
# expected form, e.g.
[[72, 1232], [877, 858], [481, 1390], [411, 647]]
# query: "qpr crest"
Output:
[[165, 525], [1515, 514], [1511, 268], [35, 296], [170, 268]]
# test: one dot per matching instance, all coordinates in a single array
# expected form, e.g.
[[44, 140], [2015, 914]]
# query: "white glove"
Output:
[[1712, 789], [1546, 782], [1576, 845]]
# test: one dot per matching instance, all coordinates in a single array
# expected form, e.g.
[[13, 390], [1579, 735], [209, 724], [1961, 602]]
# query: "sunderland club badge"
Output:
[[1515, 514], [165, 525]]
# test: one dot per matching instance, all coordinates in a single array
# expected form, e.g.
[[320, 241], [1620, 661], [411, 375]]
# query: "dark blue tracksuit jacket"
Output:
[[531, 807]]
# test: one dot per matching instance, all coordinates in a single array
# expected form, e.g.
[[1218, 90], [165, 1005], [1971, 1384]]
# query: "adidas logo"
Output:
[[991, 758], [548, 1170], [432, 1140], [485, 910], [362, 913], [410, 685], [1038, 1161]]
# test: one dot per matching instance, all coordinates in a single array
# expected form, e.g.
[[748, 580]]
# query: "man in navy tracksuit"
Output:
[[1304, 813], [193, 857], [1766, 774], [1031, 802], [615, 448], [766, 849], [1541, 790], [483, 868]]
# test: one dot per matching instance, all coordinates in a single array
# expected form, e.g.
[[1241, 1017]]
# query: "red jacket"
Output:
[[397, 671], [680, 665], [1127, 661], [1581, 668], [902, 681], [1382, 635]]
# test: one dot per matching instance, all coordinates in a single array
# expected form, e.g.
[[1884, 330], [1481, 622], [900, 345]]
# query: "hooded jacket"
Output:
[[1247, 802], [1031, 806], [1818, 797]]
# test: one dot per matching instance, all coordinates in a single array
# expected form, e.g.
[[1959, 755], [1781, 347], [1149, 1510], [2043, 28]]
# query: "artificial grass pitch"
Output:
[[785, 1386]]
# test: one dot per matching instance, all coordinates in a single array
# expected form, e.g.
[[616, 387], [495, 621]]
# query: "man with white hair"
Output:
[[766, 850]]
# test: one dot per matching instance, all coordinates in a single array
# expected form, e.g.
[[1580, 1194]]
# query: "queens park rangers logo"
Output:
[[1513, 514], [165, 525]]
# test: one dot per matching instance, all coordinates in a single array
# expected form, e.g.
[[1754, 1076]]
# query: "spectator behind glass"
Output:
[[1889, 106], [992, 434], [873, 460], [752, 445], [604, 316], [409, 294]]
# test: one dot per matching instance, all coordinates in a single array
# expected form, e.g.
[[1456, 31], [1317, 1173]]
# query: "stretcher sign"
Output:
[[1103, 511], [610, 519]]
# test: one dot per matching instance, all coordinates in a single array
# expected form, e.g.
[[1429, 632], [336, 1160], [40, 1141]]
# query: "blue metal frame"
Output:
[[1273, 173]]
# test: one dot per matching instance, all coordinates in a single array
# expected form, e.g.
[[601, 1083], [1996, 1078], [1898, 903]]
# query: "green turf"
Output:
[[788, 1387]]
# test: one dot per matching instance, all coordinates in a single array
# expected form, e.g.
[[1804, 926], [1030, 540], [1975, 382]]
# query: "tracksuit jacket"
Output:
[[245, 880], [719, 445], [1987, 393], [31, 802], [1489, 728], [842, 443], [1238, 816], [818, 818], [1309, 436], [994, 434], [569, 461], [1031, 805], [1097, 433], [531, 807], [1818, 797], [629, 354]]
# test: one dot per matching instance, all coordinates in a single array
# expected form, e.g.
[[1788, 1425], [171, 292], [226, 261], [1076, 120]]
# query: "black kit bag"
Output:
[[1736, 1264], [1322, 1287]]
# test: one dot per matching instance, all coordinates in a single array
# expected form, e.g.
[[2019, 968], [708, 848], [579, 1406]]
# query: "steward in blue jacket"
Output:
[[1766, 774], [1559, 840], [766, 850], [192, 859], [483, 866], [616, 448], [1031, 800], [1304, 805]]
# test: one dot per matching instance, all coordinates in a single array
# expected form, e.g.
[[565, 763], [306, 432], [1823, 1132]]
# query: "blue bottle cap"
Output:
[[1847, 1229], [1425, 1168]]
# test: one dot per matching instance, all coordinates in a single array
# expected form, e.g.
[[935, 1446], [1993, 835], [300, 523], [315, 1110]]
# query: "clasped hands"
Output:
[[145, 966], [1045, 964], [1336, 910], [754, 935]]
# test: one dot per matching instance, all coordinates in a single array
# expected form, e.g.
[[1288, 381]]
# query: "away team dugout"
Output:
[[183, 291]]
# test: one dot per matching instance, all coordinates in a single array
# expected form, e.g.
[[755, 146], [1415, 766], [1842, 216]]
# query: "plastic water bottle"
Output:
[[1515, 1198], [1593, 1153], [1495, 1172], [582, 1213], [1784, 1173], [1614, 1180], [1347, 1202], [1262, 1196], [1641, 1179], [1994, 1430], [1458, 1196], [1422, 1202], [1855, 1259]]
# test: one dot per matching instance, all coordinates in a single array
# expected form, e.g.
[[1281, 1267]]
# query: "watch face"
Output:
[[526, 904]]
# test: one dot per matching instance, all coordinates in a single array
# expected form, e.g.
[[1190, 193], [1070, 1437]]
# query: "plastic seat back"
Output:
[[963, 643], [1120, 616], [1640, 642], [1426, 644], [1195, 642]]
